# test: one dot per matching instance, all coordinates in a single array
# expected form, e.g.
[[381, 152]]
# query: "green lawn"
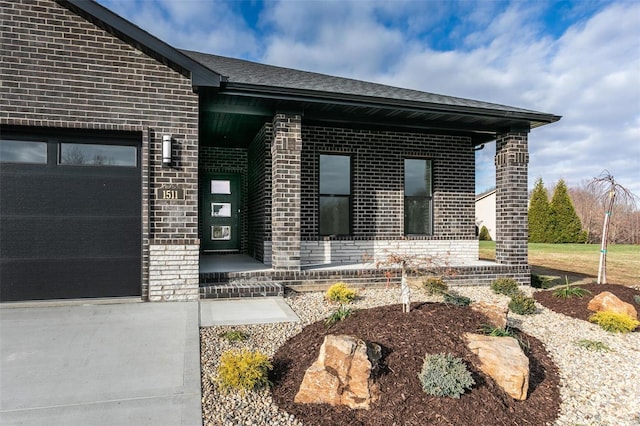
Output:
[[579, 261]]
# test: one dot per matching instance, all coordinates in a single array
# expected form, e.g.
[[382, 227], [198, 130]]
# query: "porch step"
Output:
[[239, 288]]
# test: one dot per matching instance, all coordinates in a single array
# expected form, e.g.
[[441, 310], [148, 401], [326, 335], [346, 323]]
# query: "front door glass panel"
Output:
[[221, 201]]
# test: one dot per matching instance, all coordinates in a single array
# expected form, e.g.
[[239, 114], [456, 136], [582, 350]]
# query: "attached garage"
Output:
[[70, 209]]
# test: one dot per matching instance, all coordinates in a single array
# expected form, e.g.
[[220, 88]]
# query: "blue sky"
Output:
[[579, 59]]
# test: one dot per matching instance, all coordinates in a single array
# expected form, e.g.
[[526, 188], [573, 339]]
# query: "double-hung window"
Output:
[[418, 197], [335, 195]]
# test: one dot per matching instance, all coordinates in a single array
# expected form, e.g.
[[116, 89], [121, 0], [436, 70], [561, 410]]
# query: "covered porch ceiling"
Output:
[[231, 116]]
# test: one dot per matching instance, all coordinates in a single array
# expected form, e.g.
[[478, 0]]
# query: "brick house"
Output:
[[131, 168]]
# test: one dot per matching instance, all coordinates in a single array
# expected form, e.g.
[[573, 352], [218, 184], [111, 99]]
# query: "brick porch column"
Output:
[[286, 150], [512, 227]]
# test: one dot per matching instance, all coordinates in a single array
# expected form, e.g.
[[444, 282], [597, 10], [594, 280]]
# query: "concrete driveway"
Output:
[[87, 363]]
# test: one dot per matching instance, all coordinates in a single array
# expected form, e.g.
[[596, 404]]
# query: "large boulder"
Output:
[[497, 315], [502, 359], [342, 374], [607, 301]]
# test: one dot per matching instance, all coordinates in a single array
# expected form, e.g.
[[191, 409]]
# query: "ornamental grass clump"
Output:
[[567, 291], [435, 286], [522, 305], [636, 299], [243, 370], [506, 286], [338, 315], [445, 375], [593, 345], [615, 322], [340, 293], [234, 336]]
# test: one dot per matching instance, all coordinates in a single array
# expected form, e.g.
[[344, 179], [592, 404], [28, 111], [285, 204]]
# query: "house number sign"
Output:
[[170, 194]]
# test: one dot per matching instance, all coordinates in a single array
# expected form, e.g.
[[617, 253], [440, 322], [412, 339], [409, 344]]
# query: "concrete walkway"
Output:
[[261, 310], [100, 364]]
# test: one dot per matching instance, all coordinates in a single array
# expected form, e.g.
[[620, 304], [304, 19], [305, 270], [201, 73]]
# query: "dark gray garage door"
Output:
[[70, 207]]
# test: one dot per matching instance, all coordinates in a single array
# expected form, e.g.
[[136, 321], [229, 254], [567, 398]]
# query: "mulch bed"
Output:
[[405, 339], [577, 307]]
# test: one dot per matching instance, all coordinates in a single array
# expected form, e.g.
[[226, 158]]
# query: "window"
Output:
[[335, 195], [13, 151], [97, 155], [418, 196]]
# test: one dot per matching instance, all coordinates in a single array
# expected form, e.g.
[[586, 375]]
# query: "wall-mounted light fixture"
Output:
[[166, 150]]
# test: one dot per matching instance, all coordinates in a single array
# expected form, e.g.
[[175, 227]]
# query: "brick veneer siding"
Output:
[[259, 183], [378, 180], [511, 160], [59, 70], [378, 194], [228, 161], [285, 192]]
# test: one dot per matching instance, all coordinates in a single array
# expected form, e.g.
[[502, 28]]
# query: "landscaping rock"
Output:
[[607, 301], [342, 374], [502, 359], [497, 314]]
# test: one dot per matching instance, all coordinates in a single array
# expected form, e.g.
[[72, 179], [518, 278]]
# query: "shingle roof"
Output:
[[238, 71]]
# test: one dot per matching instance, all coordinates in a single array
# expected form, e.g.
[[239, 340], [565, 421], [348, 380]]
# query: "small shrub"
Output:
[[523, 305], [243, 370], [636, 299], [234, 336], [340, 293], [435, 285], [457, 300], [614, 322], [593, 345], [339, 314], [445, 375], [538, 281], [506, 286]]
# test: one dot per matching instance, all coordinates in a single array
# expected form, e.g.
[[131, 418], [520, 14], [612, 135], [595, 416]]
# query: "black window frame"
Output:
[[25, 141], [349, 197], [429, 163]]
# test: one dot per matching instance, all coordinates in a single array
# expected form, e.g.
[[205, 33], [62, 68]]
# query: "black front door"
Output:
[[221, 208]]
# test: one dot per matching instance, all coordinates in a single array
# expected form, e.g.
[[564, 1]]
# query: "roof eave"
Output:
[[142, 40], [536, 119]]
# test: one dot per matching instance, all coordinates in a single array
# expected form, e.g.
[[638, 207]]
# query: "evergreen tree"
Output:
[[539, 214], [484, 234], [566, 226]]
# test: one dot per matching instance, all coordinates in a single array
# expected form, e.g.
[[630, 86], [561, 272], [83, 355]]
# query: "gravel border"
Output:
[[597, 388]]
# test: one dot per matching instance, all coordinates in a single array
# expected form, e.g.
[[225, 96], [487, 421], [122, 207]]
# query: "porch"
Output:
[[236, 275]]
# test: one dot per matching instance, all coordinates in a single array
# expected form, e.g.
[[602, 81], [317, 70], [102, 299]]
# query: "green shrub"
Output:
[[338, 315], [435, 285], [445, 375], [340, 293], [538, 281], [636, 299], [523, 305], [484, 234], [593, 345], [614, 322], [243, 370], [457, 300], [234, 336], [506, 286]]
